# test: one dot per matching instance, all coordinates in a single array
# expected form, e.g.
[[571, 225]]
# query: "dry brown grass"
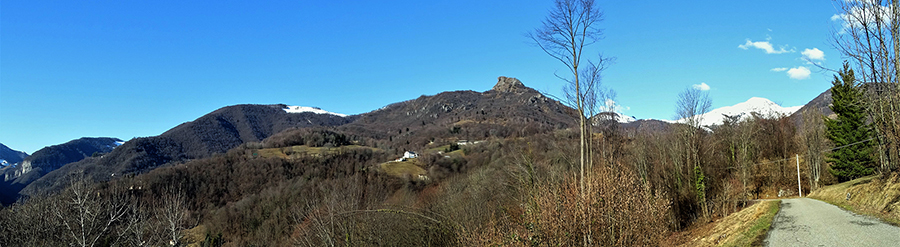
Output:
[[194, 237], [411, 169], [873, 195], [742, 228]]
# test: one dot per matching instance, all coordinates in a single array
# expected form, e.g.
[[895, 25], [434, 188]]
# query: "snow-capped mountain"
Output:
[[762, 106], [316, 110]]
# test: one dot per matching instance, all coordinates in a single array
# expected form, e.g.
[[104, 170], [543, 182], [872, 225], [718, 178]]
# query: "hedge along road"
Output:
[[810, 222]]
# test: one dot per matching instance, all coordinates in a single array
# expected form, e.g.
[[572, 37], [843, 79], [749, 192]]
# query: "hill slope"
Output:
[[509, 109], [819, 104], [49, 159], [873, 195], [9, 156], [216, 132]]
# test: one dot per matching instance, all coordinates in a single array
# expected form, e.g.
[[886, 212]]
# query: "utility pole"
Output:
[[799, 189]]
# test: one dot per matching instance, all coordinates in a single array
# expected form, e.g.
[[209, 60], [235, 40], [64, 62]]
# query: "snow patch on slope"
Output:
[[762, 106], [606, 116], [316, 110], [622, 118]]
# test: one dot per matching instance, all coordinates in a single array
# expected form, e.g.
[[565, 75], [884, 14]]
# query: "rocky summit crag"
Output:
[[509, 85]]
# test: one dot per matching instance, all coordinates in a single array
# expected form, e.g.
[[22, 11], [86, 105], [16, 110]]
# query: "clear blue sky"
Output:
[[128, 69]]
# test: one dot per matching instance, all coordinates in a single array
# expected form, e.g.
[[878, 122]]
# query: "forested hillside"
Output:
[[212, 133], [510, 166], [497, 177]]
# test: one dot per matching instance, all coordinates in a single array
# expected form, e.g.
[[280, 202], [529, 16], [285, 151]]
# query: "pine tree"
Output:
[[850, 161]]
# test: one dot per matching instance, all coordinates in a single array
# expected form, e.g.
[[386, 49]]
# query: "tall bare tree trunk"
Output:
[[570, 26]]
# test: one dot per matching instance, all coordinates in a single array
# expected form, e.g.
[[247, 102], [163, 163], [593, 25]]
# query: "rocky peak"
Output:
[[508, 84]]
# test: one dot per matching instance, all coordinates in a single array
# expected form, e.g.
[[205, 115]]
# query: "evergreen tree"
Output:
[[850, 127]]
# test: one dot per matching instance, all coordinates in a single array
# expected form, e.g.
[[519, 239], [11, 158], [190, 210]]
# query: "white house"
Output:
[[410, 155]]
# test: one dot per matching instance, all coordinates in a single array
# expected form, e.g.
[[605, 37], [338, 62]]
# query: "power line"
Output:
[[797, 156], [851, 144]]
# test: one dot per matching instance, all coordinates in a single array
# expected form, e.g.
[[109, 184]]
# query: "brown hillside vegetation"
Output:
[[248, 197], [511, 182], [215, 132]]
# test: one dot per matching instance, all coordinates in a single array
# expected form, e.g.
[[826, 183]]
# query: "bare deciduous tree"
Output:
[[568, 29], [138, 227], [692, 104], [739, 141], [28, 223], [812, 138], [86, 214], [172, 214]]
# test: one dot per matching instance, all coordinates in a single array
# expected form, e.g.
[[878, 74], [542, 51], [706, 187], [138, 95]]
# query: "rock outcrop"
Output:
[[508, 84]]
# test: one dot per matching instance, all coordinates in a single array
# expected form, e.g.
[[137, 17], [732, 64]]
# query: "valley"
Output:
[[300, 164], [449, 123]]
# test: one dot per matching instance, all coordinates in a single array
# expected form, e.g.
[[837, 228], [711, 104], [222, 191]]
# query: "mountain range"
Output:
[[509, 109], [744, 110], [9, 157], [48, 159], [216, 132]]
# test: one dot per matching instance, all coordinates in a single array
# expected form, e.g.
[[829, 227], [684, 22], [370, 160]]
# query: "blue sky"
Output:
[[128, 69]]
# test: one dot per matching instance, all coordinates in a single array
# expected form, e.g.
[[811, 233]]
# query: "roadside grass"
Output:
[[871, 196], [747, 227], [760, 228]]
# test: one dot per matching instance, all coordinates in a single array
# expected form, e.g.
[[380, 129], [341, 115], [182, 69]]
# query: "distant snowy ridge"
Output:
[[762, 106], [622, 118], [619, 117], [116, 144], [316, 110]]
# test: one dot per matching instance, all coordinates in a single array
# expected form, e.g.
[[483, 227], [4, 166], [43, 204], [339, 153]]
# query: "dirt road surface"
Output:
[[810, 222]]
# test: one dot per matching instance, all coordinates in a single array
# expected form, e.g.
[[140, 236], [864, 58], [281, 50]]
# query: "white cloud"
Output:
[[765, 46], [837, 17], [702, 86], [813, 54], [799, 73], [779, 69], [611, 106]]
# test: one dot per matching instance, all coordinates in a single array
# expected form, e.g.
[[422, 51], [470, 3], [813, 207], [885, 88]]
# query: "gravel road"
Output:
[[810, 222]]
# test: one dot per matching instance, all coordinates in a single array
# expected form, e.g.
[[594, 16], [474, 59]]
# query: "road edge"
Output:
[[843, 205], [757, 233]]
